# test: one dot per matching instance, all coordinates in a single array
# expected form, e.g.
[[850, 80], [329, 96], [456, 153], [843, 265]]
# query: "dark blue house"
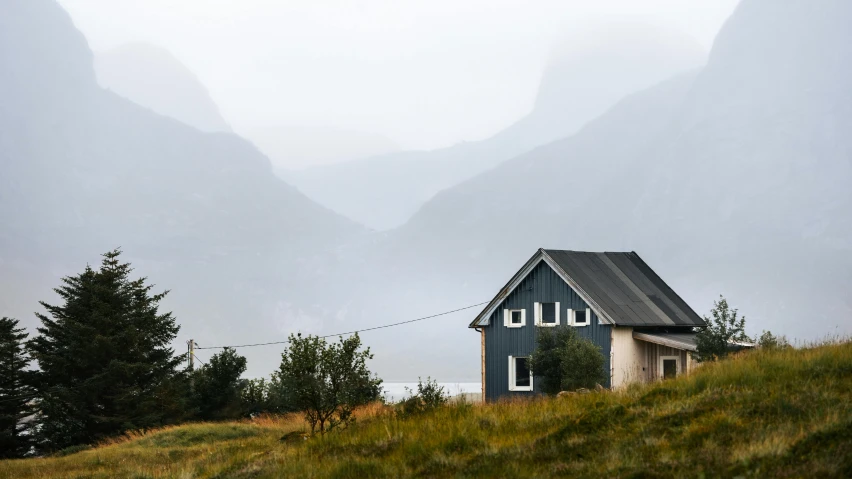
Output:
[[644, 329]]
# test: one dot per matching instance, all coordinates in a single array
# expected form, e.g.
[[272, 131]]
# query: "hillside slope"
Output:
[[585, 77], [152, 77], [764, 414]]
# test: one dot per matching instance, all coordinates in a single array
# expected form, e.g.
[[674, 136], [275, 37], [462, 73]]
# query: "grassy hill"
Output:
[[763, 414]]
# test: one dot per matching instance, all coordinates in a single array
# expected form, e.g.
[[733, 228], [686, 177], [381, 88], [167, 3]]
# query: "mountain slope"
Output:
[[585, 77], [739, 187], [83, 171], [295, 147], [152, 77]]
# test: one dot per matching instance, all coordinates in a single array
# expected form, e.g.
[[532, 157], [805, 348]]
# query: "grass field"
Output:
[[764, 414]]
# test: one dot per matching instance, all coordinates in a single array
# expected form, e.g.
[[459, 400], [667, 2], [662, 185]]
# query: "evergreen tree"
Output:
[[104, 357], [217, 386], [16, 391]]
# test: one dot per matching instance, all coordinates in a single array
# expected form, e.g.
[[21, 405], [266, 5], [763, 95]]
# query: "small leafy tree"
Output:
[[767, 340], [726, 326], [105, 361], [327, 380], [566, 361], [217, 386], [16, 392], [429, 396], [254, 396]]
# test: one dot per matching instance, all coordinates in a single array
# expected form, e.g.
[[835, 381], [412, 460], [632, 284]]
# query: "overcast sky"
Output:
[[424, 73]]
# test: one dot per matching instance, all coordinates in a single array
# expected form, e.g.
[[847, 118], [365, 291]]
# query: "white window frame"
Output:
[[572, 318], [538, 315], [507, 318], [512, 386], [677, 366]]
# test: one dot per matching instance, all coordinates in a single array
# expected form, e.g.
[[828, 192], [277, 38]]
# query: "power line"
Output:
[[196, 357], [353, 332], [34, 395]]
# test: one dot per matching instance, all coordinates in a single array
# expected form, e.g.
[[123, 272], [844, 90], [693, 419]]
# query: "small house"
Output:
[[643, 328]]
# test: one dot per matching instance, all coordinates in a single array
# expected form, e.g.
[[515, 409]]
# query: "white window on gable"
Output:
[[580, 317], [546, 314], [514, 318], [520, 376]]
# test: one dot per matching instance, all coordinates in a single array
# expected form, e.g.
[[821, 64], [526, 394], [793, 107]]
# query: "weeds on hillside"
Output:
[[764, 413]]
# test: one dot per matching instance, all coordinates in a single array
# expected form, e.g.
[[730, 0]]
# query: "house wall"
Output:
[[541, 285], [652, 359], [628, 357], [634, 360]]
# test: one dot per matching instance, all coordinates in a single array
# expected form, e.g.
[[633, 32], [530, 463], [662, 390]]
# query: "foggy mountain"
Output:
[[298, 147], [734, 180], [152, 77], [587, 75], [83, 171]]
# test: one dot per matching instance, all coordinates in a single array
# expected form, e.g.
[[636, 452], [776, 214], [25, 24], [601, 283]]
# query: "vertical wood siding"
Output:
[[652, 359], [541, 285]]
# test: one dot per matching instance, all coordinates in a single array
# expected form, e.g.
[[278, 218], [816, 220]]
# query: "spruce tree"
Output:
[[217, 386], [16, 392], [104, 357]]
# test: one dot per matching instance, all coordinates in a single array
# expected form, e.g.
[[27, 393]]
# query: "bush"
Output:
[[429, 396], [566, 362], [767, 340]]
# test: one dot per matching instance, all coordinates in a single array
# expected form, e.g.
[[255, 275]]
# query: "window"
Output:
[[514, 318], [580, 317], [669, 366], [520, 376], [547, 314]]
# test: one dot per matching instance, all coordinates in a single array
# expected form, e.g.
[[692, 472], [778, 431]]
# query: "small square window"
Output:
[[580, 317], [520, 376], [514, 318]]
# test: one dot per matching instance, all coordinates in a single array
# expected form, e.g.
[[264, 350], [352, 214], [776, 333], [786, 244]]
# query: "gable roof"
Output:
[[619, 287]]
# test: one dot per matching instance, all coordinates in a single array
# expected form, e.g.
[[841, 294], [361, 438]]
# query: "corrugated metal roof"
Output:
[[626, 289], [684, 341]]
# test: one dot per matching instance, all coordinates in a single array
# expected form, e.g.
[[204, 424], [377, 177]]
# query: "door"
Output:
[[669, 366]]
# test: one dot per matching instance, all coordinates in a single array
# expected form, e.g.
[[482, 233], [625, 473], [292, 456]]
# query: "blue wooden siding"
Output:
[[541, 285]]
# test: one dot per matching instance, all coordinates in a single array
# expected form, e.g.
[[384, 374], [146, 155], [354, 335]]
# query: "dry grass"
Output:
[[763, 414]]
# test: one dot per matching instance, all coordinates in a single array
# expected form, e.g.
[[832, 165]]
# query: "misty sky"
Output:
[[423, 73]]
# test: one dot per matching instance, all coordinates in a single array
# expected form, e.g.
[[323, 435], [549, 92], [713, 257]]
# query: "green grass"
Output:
[[763, 414]]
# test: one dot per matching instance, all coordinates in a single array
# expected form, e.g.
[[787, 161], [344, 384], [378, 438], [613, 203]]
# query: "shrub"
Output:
[[429, 396], [566, 362], [767, 340]]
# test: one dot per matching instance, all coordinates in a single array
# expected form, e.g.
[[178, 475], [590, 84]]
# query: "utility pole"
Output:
[[190, 353]]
